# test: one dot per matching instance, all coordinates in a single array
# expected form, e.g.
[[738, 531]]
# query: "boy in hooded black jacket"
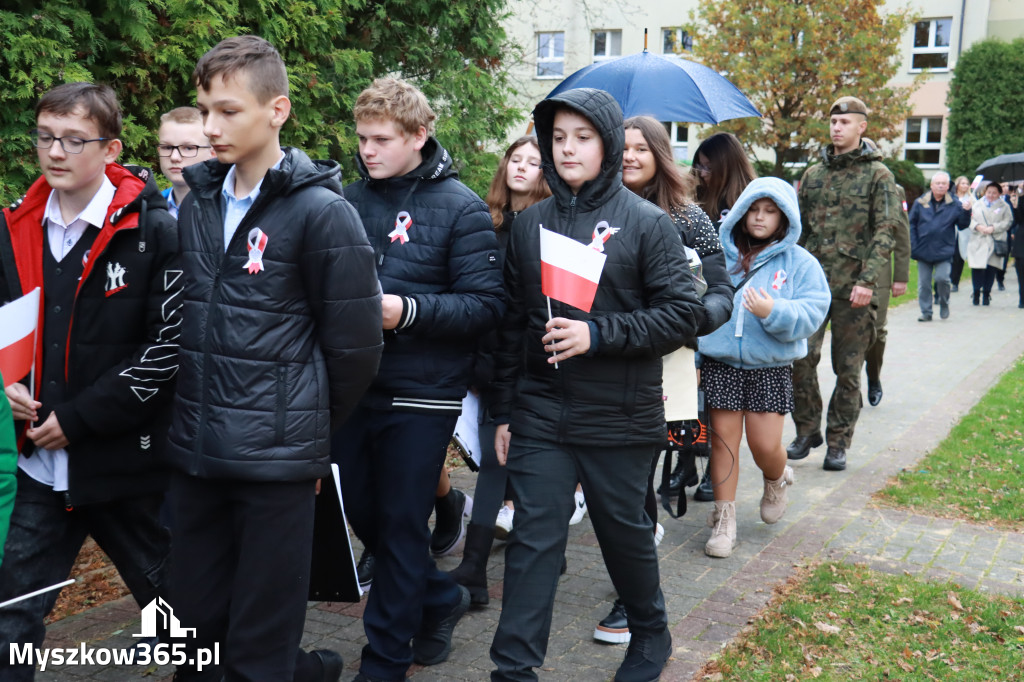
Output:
[[437, 260], [281, 336], [605, 389]]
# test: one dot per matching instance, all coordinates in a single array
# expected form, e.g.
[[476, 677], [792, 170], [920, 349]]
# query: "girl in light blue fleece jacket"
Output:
[[782, 298]]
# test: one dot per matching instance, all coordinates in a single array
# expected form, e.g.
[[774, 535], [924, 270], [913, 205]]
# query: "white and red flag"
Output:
[[569, 270], [18, 321]]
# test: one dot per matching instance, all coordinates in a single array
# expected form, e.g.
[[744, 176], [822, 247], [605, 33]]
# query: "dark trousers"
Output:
[[1018, 265], [42, 544], [958, 267], [853, 332], [390, 463], [982, 279], [240, 572], [543, 476]]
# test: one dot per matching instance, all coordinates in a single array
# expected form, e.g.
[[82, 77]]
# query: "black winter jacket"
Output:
[[447, 271], [646, 305], [271, 361], [122, 352]]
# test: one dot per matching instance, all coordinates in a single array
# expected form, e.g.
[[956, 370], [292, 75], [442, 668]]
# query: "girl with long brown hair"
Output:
[[723, 171]]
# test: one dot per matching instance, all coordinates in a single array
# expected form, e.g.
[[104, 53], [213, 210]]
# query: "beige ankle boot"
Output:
[[773, 501], [723, 529]]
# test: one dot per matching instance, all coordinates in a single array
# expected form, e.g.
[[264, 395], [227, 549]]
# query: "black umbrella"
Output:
[[1005, 168]]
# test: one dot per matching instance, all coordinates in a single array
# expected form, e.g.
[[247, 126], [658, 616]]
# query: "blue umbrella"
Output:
[[669, 89]]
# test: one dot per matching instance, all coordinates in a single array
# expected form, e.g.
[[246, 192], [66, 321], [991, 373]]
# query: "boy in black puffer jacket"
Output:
[[437, 262], [561, 420], [281, 336]]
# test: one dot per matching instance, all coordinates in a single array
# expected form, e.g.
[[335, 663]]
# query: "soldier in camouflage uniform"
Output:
[[898, 279], [850, 212]]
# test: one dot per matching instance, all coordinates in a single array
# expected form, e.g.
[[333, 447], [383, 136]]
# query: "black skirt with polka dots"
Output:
[[769, 389]]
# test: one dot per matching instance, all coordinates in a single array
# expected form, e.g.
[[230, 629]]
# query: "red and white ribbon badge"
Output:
[[602, 232], [257, 245], [402, 224], [779, 279]]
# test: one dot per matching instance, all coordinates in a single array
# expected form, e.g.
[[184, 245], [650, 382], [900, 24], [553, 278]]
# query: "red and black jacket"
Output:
[[121, 356]]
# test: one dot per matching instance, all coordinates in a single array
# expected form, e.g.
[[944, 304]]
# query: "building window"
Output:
[[551, 55], [923, 141], [672, 38], [679, 135], [607, 44], [931, 44]]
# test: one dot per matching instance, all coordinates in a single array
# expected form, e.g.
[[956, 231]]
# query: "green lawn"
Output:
[[842, 622], [977, 472], [911, 294]]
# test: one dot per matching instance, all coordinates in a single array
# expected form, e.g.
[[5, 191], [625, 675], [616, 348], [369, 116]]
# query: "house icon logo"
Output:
[[159, 614]]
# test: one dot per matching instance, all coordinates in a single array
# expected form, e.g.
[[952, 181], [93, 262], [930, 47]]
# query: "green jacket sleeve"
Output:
[[8, 469], [886, 216]]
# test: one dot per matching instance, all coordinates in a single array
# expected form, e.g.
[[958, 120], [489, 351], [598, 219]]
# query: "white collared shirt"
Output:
[[50, 467], [235, 208]]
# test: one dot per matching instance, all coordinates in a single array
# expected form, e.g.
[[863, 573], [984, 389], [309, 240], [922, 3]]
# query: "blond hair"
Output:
[[182, 115], [393, 99]]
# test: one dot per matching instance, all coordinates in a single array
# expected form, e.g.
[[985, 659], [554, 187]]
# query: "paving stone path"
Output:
[[934, 373]]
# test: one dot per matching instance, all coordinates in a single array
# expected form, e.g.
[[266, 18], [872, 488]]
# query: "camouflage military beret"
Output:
[[848, 105]]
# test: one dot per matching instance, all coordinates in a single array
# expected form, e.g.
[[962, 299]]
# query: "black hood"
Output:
[[297, 170], [601, 109], [436, 165]]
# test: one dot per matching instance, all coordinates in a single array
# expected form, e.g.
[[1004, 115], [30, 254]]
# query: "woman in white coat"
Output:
[[991, 217]]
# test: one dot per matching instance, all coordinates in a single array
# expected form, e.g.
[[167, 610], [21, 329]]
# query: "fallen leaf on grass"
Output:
[[906, 666], [841, 588], [825, 627], [954, 601], [815, 672], [1019, 628]]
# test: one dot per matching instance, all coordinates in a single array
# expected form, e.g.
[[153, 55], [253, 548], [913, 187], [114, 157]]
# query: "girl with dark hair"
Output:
[[723, 171], [518, 184], [747, 371]]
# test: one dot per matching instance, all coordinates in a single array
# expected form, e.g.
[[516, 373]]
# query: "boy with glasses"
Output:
[[96, 238], [181, 144]]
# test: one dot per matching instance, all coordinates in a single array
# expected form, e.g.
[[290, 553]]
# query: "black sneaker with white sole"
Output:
[[614, 628]]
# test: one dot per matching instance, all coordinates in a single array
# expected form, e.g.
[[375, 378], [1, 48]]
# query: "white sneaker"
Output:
[[723, 529], [773, 501], [659, 534], [503, 524], [580, 508]]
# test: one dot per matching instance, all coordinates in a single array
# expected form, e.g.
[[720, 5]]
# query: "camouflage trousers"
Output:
[[876, 352], [853, 332]]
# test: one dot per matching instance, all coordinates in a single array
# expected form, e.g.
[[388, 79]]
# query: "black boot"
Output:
[[986, 299], [705, 491], [975, 298], [450, 514], [683, 476], [472, 572]]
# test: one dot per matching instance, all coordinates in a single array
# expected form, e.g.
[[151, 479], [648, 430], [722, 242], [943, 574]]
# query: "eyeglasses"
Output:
[[700, 168], [187, 151], [69, 143]]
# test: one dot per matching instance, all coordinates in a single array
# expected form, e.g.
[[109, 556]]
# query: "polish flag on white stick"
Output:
[[569, 270], [18, 321]]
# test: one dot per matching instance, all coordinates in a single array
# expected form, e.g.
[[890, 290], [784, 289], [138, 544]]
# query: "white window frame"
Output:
[[926, 124], [680, 38], [931, 47], [546, 62], [612, 44], [680, 150]]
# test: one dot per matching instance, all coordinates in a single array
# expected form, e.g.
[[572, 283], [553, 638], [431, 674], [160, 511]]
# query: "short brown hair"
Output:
[[395, 100], [98, 101], [268, 77], [182, 115]]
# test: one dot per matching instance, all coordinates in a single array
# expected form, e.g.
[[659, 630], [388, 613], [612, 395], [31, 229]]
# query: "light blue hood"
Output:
[[784, 196], [793, 278]]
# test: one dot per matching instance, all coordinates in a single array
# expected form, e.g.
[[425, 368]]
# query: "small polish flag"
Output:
[[569, 270], [17, 336]]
